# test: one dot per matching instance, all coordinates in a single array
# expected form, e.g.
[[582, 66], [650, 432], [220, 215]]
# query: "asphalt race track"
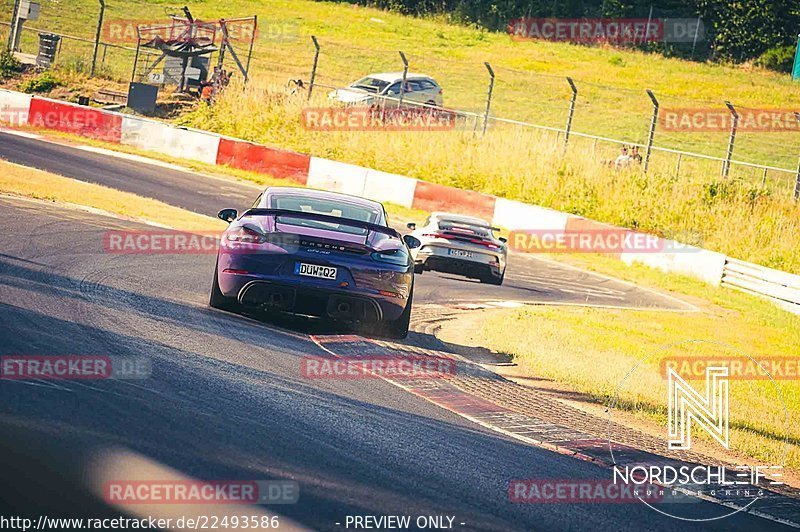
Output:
[[527, 279], [226, 398]]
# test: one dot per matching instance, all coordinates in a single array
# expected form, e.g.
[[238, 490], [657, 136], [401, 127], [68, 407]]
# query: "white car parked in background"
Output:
[[463, 245], [419, 89]]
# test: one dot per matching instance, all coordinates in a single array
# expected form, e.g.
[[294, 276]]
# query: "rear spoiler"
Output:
[[452, 224], [324, 218]]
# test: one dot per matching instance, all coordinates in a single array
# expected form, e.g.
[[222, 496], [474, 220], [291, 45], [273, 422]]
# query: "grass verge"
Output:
[[592, 349]]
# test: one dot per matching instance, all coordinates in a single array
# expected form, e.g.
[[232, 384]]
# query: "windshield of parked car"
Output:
[[370, 84], [340, 209]]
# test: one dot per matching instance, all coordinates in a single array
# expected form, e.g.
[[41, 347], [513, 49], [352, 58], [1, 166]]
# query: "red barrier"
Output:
[[277, 163], [434, 197], [78, 119]]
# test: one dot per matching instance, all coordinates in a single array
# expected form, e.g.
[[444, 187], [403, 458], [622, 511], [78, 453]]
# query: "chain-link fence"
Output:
[[617, 126]]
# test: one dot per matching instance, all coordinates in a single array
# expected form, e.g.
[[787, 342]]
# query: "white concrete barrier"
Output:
[[397, 189], [336, 177], [178, 142], [687, 260], [14, 107], [517, 215]]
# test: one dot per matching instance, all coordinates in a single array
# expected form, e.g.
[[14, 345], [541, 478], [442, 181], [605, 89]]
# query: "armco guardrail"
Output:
[[780, 287]]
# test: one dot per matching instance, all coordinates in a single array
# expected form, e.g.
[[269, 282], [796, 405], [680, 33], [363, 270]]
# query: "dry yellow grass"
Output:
[[28, 182]]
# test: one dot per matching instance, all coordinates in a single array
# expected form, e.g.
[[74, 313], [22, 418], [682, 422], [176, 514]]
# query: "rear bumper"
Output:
[[474, 270], [481, 265], [359, 294], [321, 303]]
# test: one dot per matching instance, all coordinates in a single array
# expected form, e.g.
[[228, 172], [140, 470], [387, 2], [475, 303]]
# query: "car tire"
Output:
[[398, 329], [217, 299], [491, 279]]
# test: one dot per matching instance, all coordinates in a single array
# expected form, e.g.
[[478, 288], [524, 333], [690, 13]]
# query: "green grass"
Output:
[[530, 75], [592, 349]]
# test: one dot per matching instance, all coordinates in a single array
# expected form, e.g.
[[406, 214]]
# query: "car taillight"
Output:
[[489, 245], [436, 235], [245, 236]]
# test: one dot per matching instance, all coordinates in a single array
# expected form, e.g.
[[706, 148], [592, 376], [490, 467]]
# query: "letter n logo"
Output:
[[709, 411]]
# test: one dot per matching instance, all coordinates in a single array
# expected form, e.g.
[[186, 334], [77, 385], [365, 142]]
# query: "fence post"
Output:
[[726, 166], [405, 75], [653, 122], [797, 183], [571, 110], [250, 49], [97, 36], [488, 96], [12, 30], [678, 166], [314, 67]]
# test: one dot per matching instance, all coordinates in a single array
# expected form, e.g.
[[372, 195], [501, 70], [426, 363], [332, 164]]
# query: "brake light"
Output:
[[246, 236]]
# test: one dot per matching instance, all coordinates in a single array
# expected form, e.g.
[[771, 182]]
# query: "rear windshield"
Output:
[[370, 84], [331, 208], [467, 229]]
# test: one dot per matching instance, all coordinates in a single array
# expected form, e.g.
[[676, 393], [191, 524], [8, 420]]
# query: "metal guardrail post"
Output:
[[571, 110], [726, 166], [652, 133], [314, 67], [405, 74], [97, 36], [488, 96]]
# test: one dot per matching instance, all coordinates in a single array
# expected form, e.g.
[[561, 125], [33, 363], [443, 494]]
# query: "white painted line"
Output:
[[20, 133]]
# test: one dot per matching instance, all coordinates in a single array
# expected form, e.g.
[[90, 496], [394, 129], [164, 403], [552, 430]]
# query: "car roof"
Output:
[[397, 76], [323, 194], [460, 218]]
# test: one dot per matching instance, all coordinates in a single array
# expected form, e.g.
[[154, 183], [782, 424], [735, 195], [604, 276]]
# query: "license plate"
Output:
[[314, 270], [459, 253]]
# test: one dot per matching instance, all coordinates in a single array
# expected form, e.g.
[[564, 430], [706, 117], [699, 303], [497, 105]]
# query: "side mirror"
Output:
[[411, 242], [411, 225], [227, 215], [503, 240]]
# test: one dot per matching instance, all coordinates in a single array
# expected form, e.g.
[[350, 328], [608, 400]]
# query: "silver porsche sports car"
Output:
[[462, 245]]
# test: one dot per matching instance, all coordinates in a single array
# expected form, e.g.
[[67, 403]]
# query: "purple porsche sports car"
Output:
[[315, 253]]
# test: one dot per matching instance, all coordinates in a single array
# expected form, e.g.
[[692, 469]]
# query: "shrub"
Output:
[[9, 65], [780, 58], [44, 82]]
